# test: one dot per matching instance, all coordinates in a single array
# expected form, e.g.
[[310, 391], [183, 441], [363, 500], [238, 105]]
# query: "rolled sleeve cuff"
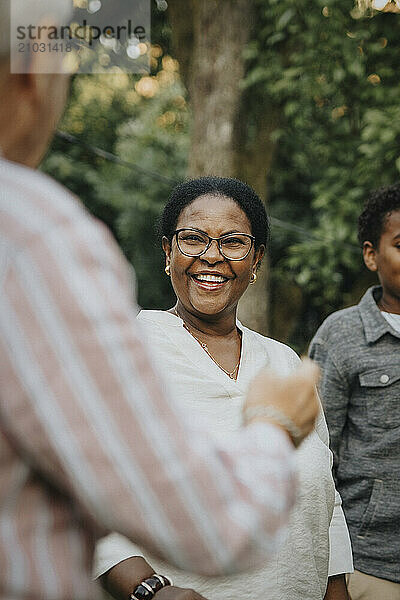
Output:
[[340, 555]]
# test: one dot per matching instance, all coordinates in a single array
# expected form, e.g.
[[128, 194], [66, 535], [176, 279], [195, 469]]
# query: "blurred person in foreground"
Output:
[[214, 234], [89, 440], [358, 349]]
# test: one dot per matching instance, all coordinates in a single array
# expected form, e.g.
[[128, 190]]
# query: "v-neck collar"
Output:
[[197, 355]]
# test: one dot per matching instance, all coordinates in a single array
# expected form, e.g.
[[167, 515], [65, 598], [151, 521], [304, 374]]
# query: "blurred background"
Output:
[[299, 98]]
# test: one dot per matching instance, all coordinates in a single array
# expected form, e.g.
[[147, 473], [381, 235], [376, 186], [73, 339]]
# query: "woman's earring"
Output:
[[168, 270], [253, 277]]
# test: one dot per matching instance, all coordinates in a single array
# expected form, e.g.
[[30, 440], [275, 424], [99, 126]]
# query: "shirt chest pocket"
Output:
[[381, 390]]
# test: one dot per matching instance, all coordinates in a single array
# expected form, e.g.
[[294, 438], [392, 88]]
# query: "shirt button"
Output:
[[384, 378]]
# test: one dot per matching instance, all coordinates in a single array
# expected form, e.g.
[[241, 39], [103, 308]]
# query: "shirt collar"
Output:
[[375, 325]]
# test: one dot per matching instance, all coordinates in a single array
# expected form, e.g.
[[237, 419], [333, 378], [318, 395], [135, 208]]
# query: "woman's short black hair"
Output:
[[186, 192], [376, 210]]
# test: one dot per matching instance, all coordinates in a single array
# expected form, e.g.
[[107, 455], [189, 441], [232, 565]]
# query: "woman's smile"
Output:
[[209, 280]]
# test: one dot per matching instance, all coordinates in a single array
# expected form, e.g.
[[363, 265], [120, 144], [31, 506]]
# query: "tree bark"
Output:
[[220, 30]]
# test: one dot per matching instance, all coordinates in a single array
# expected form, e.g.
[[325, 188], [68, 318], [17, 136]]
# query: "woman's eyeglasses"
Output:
[[232, 246]]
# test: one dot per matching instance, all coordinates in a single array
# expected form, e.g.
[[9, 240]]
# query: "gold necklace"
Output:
[[232, 374]]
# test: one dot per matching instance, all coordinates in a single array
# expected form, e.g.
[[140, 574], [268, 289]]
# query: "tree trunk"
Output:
[[209, 37], [220, 30]]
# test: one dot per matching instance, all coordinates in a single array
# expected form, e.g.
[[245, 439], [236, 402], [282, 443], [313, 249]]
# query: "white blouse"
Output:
[[318, 542]]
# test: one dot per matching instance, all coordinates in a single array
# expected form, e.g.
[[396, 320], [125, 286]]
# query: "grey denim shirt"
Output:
[[359, 354]]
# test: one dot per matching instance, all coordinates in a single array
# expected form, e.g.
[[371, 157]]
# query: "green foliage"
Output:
[[144, 122], [332, 73]]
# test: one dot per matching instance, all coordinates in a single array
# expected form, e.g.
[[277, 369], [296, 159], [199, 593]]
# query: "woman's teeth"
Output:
[[210, 278]]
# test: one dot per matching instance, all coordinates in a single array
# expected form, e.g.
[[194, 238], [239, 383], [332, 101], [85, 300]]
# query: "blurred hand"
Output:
[[172, 592], [294, 398]]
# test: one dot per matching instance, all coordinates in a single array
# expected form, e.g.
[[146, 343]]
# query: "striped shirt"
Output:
[[89, 440]]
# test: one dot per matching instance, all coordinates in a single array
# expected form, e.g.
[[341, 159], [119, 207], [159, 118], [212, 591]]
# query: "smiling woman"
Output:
[[214, 233], [211, 261]]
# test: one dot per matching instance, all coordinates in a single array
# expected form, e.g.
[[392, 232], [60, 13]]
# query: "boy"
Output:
[[358, 350]]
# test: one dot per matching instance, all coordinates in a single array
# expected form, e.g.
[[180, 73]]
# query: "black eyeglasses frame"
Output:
[[211, 240]]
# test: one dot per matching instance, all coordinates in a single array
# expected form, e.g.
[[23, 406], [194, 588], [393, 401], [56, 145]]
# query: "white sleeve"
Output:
[[111, 550], [340, 554]]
